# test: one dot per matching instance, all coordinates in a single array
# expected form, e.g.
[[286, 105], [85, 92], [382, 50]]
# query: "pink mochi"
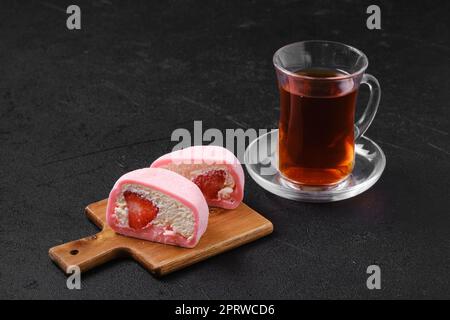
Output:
[[199, 163], [181, 207]]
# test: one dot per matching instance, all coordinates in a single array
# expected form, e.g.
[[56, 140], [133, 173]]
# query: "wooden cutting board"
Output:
[[227, 229]]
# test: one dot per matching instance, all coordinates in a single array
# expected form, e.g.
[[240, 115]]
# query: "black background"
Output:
[[80, 108]]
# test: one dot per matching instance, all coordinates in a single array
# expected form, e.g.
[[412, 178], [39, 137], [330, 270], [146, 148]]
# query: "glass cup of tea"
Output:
[[319, 83]]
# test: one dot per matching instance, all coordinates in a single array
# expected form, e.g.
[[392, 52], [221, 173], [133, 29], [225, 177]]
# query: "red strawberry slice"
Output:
[[140, 210], [210, 182]]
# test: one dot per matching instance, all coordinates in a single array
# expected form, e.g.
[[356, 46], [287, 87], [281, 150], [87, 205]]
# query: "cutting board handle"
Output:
[[88, 252]]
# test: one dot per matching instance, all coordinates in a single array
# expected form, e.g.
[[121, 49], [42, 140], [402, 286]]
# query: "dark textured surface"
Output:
[[80, 108]]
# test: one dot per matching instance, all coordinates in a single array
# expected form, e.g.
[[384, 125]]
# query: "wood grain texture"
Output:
[[227, 229]]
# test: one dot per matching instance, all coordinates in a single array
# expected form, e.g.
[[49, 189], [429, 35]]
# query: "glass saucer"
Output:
[[261, 161]]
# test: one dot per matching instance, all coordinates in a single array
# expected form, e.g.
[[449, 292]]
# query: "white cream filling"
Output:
[[191, 171], [171, 213]]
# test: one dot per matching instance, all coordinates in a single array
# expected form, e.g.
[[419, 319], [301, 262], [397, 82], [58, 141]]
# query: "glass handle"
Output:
[[372, 106]]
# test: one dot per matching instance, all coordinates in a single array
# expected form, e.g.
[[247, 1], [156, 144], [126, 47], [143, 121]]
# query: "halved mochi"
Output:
[[158, 205], [215, 170]]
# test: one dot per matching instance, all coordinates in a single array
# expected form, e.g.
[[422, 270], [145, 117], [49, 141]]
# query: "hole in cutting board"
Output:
[[161, 262]]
